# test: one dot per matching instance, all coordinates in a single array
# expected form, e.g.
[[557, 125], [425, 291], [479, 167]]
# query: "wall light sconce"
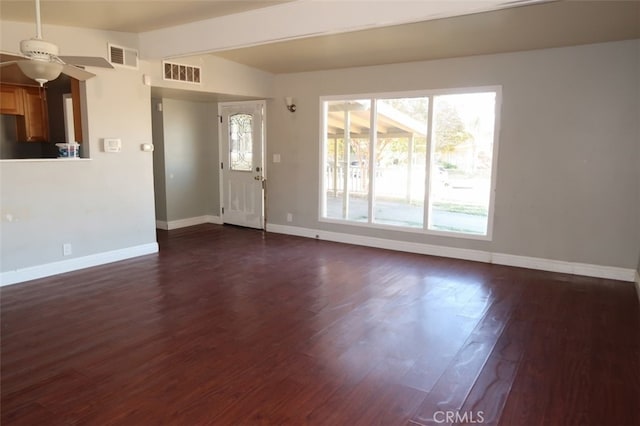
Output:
[[290, 105]]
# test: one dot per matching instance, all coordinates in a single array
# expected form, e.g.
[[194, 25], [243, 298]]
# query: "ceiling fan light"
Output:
[[40, 71]]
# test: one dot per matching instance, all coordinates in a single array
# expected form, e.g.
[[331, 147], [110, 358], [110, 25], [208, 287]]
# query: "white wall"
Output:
[[219, 76], [100, 205], [568, 185], [188, 145]]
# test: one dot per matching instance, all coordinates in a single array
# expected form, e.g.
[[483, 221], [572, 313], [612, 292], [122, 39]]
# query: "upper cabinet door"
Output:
[[11, 100], [34, 125]]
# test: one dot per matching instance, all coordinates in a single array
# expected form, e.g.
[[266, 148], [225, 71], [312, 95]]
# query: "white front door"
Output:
[[242, 163]]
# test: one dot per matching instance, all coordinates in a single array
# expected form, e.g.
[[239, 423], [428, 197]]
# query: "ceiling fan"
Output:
[[39, 59]]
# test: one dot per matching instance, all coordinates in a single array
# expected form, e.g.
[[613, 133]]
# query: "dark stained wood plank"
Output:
[[453, 386], [235, 326], [489, 393], [31, 414], [561, 379]]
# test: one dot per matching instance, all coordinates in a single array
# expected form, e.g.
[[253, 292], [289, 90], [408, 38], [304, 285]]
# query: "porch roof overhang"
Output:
[[390, 122]]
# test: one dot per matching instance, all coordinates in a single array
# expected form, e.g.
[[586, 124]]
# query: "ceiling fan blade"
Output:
[[86, 61], [9, 57], [77, 73]]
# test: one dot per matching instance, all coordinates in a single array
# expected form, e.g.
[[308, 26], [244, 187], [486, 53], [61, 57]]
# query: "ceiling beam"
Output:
[[301, 19]]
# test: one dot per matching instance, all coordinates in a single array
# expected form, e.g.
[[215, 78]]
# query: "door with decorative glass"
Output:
[[242, 163]]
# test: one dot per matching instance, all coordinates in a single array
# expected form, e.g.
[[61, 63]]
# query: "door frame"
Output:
[[222, 155]]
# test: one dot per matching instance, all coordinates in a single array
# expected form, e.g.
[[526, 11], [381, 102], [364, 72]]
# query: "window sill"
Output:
[[410, 230]]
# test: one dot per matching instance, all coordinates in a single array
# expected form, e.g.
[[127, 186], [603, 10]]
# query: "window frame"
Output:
[[431, 93]]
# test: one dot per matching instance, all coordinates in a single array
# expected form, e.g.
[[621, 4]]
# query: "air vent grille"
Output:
[[123, 56], [116, 55], [182, 72]]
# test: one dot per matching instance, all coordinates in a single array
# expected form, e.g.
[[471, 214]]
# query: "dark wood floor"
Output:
[[233, 326]]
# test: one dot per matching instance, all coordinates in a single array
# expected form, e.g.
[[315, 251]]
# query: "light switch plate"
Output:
[[111, 145]]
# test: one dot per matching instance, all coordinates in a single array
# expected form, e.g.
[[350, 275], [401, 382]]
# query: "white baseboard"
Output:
[[456, 253], [574, 268], [54, 268], [191, 221]]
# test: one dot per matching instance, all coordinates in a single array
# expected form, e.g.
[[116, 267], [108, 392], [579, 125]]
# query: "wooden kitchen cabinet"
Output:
[[11, 101], [33, 126]]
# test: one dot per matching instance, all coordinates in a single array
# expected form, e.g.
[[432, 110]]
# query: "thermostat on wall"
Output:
[[111, 145]]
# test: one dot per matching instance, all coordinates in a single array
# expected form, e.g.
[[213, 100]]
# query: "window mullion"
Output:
[[347, 162], [373, 137], [427, 177]]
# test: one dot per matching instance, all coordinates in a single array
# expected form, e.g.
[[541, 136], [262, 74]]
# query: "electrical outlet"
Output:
[[66, 249], [289, 217]]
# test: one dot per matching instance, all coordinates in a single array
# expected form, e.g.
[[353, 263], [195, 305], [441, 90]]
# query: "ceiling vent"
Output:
[[123, 56], [181, 72]]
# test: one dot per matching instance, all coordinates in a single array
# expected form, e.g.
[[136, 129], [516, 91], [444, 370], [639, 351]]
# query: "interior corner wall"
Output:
[[213, 196], [190, 153], [159, 182], [568, 180]]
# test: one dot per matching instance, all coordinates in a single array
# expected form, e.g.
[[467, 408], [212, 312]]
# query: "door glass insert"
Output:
[[241, 142]]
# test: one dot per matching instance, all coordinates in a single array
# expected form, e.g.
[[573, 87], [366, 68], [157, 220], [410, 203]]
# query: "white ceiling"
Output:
[[133, 16], [536, 26]]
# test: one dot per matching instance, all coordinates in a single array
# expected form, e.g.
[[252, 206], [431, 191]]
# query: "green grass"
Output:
[[461, 208], [454, 229]]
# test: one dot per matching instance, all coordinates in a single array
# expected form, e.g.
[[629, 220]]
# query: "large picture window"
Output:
[[428, 166]]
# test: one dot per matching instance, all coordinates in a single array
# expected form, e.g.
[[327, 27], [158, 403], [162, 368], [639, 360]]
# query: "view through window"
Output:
[[241, 142], [427, 166]]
